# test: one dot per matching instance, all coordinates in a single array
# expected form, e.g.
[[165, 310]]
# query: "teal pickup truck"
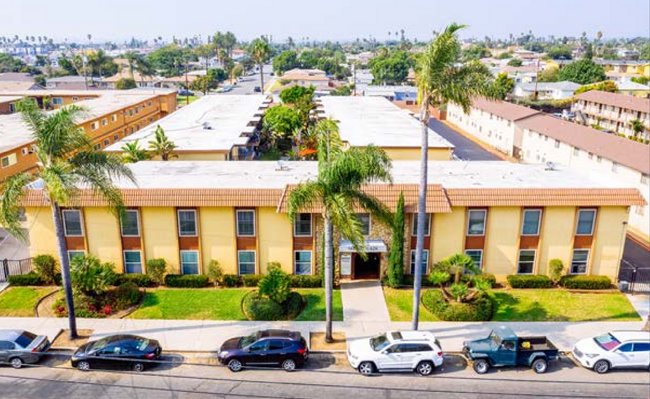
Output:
[[504, 348]]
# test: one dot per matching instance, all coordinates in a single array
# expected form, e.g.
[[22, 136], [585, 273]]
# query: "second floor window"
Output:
[[476, 222], [302, 225], [530, 224], [130, 223], [586, 219], [246, 223], [187, 223], [427, 225], [364, 219], [72, 223]]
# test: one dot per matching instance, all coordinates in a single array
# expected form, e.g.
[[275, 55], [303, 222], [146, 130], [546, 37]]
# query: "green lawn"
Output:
[[400, 305], [182, 100], [561, 305], [20, 301], [315, 308], [192, 304]]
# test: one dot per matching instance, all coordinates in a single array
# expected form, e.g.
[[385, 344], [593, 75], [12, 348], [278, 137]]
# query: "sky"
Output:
[[336, 20]]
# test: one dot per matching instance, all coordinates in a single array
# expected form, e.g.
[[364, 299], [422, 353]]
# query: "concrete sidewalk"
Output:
[[207, 335], [364, 301]]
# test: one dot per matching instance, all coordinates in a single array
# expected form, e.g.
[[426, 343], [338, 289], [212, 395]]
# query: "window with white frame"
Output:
[[187, 223], [476, 222], [477, 257], [586, 219], [72, 225], [427, 225], [302, 262], [302, 225], [9, 160], [246, 262], [190, 262], [425, 261], [614, 167], [57, 101], [579, 261], [644, 179], [133, 262], [531, 222], [130, 223], [526, 261], [246, 223], [75, 253], [576, 151], [364, 219]]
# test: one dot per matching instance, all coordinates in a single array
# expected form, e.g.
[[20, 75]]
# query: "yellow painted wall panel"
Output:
[[448, 234], [160, 236], [413, 154], [502, 241], [200, 156], [103, 236], [40, 227], [556, 236], [218, 239], [275, 239], [610, 237]]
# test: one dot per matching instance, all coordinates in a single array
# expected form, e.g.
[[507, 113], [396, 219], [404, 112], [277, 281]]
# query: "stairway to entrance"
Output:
[[363, 301]]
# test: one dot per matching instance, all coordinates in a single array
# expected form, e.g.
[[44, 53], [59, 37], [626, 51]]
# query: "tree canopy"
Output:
[[285, 61], [293, 94], [584, 71], [390, 69], [170, 60]]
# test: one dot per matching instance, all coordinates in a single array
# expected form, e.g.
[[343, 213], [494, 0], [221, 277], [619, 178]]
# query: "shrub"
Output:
[[140, 280], [127, 294], [407, 280], [231, 280], [45, 267], [586, 282], [275, 285], [480, 309], [215, 272], [484, 276], [258, 307], [90, 276], [555, 270], [306, 281], [534, 281], [25, 279], [251, 280], [186, 280], [157, 268], [396, 259]]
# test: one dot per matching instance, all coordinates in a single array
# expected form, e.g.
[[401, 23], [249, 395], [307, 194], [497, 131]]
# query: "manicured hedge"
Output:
[[407, 280], [484, 276], [480, 309], [529, 281], [260, 308], [306, 281], [251, 280], [186, 280], [586, 282], [141, 280], [231, 280], [25, 279]]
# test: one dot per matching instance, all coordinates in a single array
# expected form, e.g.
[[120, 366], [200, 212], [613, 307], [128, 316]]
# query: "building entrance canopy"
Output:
[[370, 245]]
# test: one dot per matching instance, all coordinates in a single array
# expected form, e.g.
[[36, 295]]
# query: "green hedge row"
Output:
[[251, 280], [586, 282], [529, 281], [260, 308], [25, 279], [186, 280], [141, 280], [480, 309]]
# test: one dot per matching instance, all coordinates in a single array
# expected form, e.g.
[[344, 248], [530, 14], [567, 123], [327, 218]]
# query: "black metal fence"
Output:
[[634, 278], [14, 267]]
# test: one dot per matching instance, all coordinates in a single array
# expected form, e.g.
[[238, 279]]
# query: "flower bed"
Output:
[[113, 301], [479, 308]]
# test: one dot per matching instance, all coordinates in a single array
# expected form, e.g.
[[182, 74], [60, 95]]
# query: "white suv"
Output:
[[396, 351], [618, 349]]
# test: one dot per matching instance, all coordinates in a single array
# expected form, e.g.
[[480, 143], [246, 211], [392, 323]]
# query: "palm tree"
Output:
[[131, 61], [66, 159], [132, 153], [441, 80], [161, 145], [637, 127], [260, 52], [338, 190]]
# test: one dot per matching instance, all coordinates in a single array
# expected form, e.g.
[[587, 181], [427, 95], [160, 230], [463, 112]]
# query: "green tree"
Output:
[[560, 52], [276, 284], [515, 62], [205, 51], [132, 153], [157, 268], [338, 189], [584, 71], [396, 257], [10, 64], [66, 159], [504, 84], [549, 75], [440, 80], [281, 122], [170, 60], [89, 276], [643, 80], [637, 127], [285, 61], [161, 145], [101, 64], [260, 52], [342, 91], [45, 267], [125, 84], [293, 94], [644, 51], [608, 86], [204, 84], [475, 53], [391, 69]]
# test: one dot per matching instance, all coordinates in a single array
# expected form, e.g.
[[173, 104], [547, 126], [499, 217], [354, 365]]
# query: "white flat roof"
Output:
[[227, 116], [375, 120], [268, 174]]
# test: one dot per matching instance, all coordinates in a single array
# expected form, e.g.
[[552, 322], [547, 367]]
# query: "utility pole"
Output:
[[536, 80]]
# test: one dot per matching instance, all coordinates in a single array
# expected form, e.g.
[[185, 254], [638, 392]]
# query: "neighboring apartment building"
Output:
[[109, 117], [546, 90], [613, 111], [510, 218]]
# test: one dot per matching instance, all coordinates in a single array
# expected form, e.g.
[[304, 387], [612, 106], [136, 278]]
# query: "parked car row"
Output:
[[394, 351]]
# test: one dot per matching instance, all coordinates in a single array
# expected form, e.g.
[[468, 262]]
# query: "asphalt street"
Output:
[[466, 149], [326, 376]]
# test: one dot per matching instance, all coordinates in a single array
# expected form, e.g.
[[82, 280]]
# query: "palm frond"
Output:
[[103, 163], [302, 197], [374, 206], [340, 210], [13, 191]]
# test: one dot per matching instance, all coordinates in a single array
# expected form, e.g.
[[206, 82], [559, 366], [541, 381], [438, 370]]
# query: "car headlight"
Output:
[[591, 355], [223, 353]]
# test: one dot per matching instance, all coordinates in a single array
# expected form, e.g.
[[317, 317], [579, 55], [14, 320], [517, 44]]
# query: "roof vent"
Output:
[[206, 126], [550, 166], [282, 165]]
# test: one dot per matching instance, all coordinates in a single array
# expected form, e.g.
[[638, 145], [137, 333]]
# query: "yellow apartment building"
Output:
[[510, 218]]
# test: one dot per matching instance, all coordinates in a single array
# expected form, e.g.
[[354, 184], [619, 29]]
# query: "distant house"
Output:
[[17, 81], [407, 94], [546, 90], [140, 81], [305, 77], [633, 89], [71, 83]]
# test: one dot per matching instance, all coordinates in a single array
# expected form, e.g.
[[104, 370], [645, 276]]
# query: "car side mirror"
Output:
[[384, 352]]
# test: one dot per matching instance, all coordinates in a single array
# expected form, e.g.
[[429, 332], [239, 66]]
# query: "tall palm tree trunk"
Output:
[[262, 77], [65, 268], [422, 212], [329, 277]]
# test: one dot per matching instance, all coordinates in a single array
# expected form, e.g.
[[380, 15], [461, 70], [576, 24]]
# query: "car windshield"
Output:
[[245, 341], [25, 339], [607, 342], [141, 343], [495, 338], [379, 342], [95, 346]]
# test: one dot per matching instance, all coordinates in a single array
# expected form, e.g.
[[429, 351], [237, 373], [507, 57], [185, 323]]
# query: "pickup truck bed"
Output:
[[536, 344]]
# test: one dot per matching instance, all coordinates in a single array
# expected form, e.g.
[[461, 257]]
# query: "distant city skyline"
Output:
[[336, 20]]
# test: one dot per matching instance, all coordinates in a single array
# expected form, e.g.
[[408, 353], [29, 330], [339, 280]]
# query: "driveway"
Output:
[[466, 149]]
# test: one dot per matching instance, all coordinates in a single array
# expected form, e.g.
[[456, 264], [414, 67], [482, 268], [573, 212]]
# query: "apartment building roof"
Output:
[[546, 86], [618, 100], [8, 99], [16, 77], [618, 149], [18, 85], [451, 183], [212, 123], [504, 109], [375, 120]]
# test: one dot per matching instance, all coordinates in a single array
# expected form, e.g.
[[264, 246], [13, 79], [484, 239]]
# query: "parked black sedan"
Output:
[[287, 349], [117, 351]]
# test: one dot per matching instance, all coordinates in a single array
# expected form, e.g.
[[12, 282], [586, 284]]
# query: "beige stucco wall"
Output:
[[160, 236], [275, 239], [103, 236], [413, 154], [448, 234], [558, 224], [40, 227], [609, 238], [218, 239], [502, 241]]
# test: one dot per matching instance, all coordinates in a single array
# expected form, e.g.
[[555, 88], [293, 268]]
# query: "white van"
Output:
[[617, 349]]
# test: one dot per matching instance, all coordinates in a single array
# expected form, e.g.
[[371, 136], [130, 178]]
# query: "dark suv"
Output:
[[287, 349]]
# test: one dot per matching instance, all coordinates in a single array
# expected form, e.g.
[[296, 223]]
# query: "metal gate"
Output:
[[633, 278], [14, 267]]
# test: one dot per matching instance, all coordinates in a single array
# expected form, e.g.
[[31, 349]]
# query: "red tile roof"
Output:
[[504, 109], [621, 150], [618, 100], [544, 197]]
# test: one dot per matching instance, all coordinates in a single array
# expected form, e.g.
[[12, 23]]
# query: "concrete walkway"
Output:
[[363, 301]]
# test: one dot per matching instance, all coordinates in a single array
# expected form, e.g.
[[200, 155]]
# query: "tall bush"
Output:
[[396, 258], [276, 284], [89, 276], [215, 272], [555, 270], [45, 267], [157, 268]]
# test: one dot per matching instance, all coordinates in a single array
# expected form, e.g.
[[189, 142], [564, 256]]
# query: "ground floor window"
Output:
[[133, 261], [302, 262], [73, 254], [190, 262], [246, 262], [526, 262], [579, 261], [477, 257], [425, 261]]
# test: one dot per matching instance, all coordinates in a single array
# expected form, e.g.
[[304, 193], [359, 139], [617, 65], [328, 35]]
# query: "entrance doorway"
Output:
[[368, 268]]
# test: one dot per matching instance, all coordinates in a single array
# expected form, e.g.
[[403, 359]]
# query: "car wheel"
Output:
[[366, 368], [424, 368], [16, 362], [601, 366], [235, 365], [289, 365], [481, 366], [83, 365], [540, 366], [138, 367]]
